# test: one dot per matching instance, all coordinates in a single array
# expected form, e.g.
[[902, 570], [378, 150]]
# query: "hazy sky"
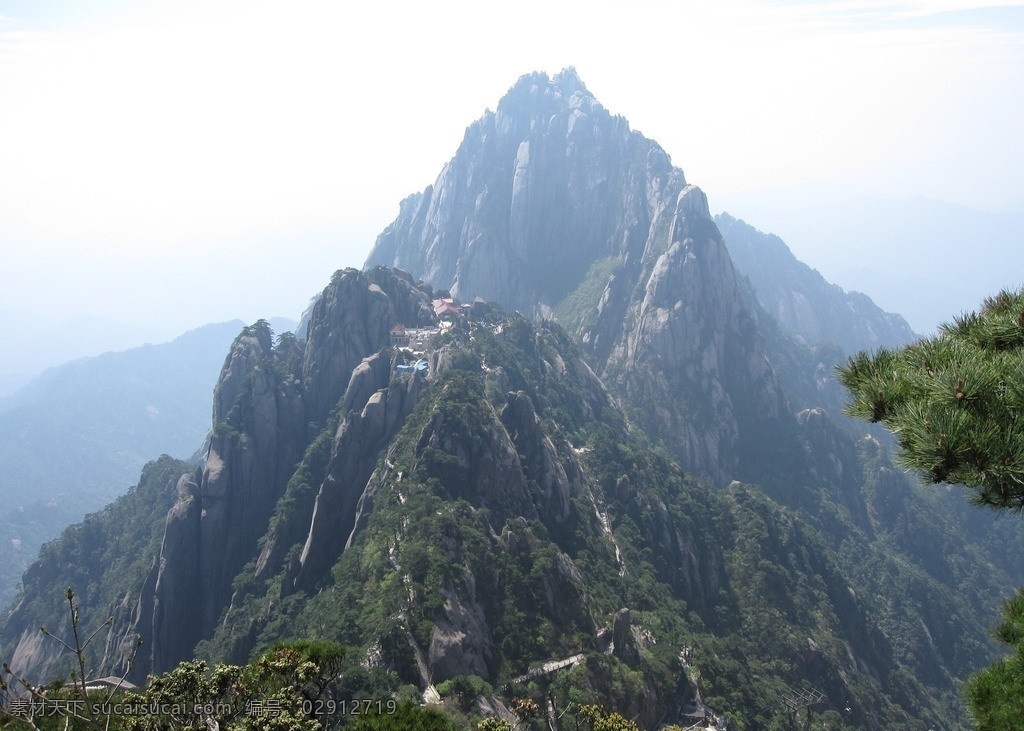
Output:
[[167, 164]]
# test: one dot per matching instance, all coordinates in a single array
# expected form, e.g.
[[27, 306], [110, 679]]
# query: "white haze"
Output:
[[166, 164]]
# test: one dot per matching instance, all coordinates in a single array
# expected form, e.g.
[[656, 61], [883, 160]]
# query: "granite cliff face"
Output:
[[688, 353], [266, 399], [533, 192]]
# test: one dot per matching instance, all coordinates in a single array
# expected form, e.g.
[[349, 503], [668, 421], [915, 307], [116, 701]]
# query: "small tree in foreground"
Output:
[[292, 686], [24, 703], [595, 718], [956, 404], [287, 688]]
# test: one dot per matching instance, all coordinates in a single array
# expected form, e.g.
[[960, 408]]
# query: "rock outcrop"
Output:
[[258, 436], [461, 643], [363, 434]]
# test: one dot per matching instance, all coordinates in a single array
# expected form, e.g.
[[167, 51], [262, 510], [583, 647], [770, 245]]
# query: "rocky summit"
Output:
[[550, 445]]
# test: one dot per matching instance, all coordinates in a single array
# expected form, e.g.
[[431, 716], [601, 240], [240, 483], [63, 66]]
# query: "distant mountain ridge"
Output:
[[802, 300], [897, 249], [43, 342], [75, 437]]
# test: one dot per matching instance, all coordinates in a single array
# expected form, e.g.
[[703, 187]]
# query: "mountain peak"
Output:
[[550, 146], [563, 89], [569, 78]]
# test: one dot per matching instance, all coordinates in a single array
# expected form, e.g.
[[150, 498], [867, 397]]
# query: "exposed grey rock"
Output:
[[175, 609], [259, 425], [538, 456], [33, 651], [597, 398], [536, 181], [352, 319], [694, 333], [355, 453], [622, 638], [372, 374], [460, 643]]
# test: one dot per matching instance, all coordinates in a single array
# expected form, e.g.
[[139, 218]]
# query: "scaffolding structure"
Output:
[[797, 700]]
